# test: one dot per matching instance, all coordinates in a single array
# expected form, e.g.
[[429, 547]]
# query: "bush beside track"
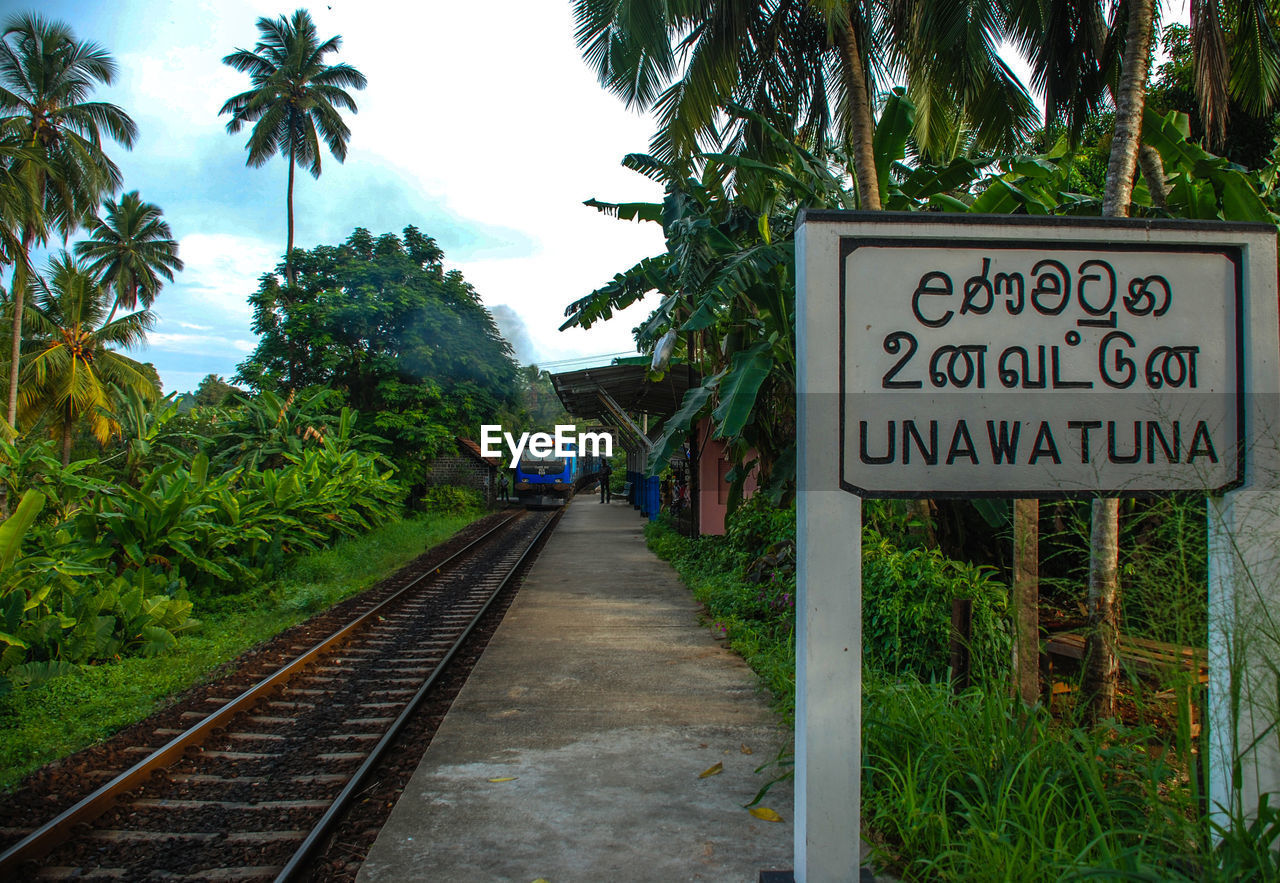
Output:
[[49, 721]]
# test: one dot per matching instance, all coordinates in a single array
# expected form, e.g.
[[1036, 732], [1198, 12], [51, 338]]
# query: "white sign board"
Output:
[[999, 366], [965, 355]]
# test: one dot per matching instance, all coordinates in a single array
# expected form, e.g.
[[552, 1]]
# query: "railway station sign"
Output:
[[1026, 365], [964, 355]]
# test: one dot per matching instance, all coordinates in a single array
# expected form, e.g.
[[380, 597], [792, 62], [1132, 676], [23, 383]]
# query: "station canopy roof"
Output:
[[628, 385]]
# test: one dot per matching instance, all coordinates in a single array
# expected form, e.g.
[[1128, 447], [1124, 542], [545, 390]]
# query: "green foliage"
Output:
[[74, 364], [265, 429], [105, 566], [380, 324], [906, 611], [61, 707], [1249, 137], [977, 786], [1164, 565], [214, 392], [49, 618], [538, 398], [728, 295], [143, 429], [447, 499], [747, 580]]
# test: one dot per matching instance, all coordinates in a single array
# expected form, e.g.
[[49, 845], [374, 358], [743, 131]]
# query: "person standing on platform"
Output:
[[606, 471], [504, 486]]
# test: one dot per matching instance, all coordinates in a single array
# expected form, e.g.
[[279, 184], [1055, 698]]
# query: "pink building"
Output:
[[712, 488]]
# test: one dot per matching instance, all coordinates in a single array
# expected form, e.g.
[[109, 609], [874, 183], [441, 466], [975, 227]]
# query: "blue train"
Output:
[[545, 481]]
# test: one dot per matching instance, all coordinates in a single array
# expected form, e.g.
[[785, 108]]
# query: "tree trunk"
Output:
[[66, 442], [1153, 171], [288, 249], [15, 352], [921, 512], [1026, 600], [20, 276], [861, 124], [1129, 103], [1102, 668], [116, 305]]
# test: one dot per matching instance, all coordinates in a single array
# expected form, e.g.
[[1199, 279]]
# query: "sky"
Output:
[[481, 125]]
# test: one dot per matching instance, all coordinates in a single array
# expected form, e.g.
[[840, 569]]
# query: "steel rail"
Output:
[[304, 852], [52, 834]]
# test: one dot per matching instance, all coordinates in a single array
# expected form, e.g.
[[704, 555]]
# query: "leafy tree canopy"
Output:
[[408, 343], [213, 391]]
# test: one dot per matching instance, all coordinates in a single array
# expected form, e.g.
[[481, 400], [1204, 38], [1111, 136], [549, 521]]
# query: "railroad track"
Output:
[[251, 789]]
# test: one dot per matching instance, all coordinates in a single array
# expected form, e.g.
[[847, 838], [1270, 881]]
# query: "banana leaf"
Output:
[[14, 528], [889, 144], [739, 388]]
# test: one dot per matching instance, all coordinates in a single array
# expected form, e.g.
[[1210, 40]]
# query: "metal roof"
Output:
[[628, 385]]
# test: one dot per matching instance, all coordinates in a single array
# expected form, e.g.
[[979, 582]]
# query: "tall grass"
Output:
[[980, 787], [976, 787]]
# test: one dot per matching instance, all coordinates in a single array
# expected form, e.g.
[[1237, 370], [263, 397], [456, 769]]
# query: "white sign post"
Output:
[[971, 356]]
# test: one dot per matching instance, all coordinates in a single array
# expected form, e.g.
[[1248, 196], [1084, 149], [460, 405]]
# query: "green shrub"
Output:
[[444, 498], [906, 611], [95, 565]]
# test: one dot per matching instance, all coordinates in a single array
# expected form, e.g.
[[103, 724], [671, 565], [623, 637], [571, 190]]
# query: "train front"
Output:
[[544, 482]]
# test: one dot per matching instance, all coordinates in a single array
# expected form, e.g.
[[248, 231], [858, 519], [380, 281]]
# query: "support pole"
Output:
[[1244, 573], [828, 596]]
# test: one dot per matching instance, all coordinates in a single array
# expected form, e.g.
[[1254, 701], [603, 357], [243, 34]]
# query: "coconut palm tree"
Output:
[[1102, 665], [294, 94], [73, 362], [46, 78], [18, 204], [816, 60], [130, 250], [1237, 57]]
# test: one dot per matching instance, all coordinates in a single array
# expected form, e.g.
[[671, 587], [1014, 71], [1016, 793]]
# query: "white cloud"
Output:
[[192, 344], [491, 109], [222, 271]]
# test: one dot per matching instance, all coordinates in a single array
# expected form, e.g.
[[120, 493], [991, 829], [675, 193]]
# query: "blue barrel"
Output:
[[652, 497]]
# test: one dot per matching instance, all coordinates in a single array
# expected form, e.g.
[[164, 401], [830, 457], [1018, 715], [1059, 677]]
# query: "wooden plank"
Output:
[[1140, 653]]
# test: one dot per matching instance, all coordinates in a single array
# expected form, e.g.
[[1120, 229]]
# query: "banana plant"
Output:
[[727, 288], [144, 431], [34, 589], [33, 464], [1201, 185], [270, 427]]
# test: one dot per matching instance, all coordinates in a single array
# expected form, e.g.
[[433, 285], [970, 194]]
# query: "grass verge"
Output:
[[51, 721], [757, 621]]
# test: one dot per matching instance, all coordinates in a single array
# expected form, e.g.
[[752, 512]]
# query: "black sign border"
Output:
[[1233, 253]]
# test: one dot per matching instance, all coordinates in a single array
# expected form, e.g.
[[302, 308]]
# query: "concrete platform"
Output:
[[601, 699]]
